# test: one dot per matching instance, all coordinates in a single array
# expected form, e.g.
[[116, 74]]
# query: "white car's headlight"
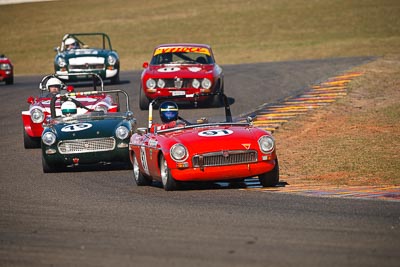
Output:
[[37, 115], [178, 152], [206, 83], [111, 60], [121, 132], [266, 143], [150, 83], [49, 138], [195, 83], [61, 62], [161, 83], [101, 108]]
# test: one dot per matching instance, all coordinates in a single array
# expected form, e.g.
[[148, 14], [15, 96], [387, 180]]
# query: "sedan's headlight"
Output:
[[37, 115], [206, 83], [61, 62], [111, 60], [49, 138], [150, 83], [196, 83], [266, 143], [161, 83], [121, 132], [179, 152]]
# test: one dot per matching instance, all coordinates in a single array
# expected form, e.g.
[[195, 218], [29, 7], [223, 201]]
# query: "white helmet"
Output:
[[68, 107], [54, 82], [69, 41]]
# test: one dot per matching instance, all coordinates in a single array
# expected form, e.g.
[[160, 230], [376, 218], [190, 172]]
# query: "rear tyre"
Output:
[[271, 178], [9, 80], [31, 142], [143, 100], [169, 183], [139, 178]]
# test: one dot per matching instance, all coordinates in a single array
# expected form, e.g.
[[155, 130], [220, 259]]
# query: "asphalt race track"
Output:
[[100, 218]]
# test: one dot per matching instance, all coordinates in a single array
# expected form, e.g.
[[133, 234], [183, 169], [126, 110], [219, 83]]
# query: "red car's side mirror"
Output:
[[145, 64], [30, 100]]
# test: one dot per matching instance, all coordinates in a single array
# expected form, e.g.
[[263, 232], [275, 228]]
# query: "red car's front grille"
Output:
[[223, 158]]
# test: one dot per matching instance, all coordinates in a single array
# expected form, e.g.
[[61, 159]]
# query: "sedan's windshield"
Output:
[[182, 58]]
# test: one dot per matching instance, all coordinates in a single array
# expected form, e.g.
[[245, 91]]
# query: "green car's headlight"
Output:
[[61, 62], [121, 132], [111, 60], [49, 138]]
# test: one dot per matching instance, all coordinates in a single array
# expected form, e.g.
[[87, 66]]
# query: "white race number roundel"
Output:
[[215, 133], [76, 127]]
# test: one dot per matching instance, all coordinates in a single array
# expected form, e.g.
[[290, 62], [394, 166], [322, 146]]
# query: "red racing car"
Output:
[[181, 150], [6, 70], [181, 69], [39, 107]]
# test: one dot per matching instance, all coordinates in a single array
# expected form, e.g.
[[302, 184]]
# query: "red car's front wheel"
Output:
[[270, 178], [139, 178], [169, 183]]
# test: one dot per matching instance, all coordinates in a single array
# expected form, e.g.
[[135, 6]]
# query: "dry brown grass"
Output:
[[239, 31], [355, 141]]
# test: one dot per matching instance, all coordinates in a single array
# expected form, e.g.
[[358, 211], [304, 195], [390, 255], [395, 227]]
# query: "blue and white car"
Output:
[[89, 53]]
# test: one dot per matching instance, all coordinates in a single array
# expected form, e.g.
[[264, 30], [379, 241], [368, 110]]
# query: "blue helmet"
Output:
[[168, 111]]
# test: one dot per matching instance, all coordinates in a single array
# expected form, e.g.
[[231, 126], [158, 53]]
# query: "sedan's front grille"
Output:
[[225, 158], [170, 83], [86, 145]]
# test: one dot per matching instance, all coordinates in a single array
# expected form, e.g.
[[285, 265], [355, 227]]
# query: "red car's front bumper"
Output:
[[223, 172]]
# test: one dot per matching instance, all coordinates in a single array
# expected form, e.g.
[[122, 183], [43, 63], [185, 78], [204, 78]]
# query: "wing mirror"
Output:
[[145, 64], [250, 119], [141, 131], [30, 100]]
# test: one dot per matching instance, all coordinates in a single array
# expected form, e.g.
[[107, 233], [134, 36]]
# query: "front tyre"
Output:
[[10, 80], [143, 100], [115, 79], [139, 178], [31, 142], [271, 178], [169, 183], [47, 168]]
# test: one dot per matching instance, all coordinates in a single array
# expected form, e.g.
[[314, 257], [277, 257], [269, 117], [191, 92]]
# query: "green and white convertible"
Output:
[[86, 52], [94, 138]]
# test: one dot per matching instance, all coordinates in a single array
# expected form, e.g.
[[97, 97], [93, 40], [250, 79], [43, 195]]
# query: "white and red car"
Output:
[[39, 108]]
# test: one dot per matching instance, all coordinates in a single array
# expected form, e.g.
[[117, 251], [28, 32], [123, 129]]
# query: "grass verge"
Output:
[[355, 141]]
